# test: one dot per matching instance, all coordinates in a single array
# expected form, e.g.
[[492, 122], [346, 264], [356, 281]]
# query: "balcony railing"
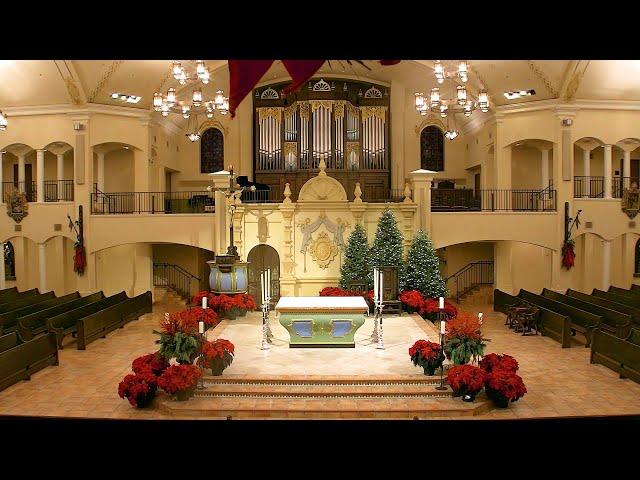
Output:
[[58, 190], [593, 187], [261, 196], [618, 185], [494, 200], [393, 195], [29, 188], [151, 202]]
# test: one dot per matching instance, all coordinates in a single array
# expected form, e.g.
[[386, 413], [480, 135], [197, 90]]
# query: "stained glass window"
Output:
[[432, 149], [211, 151]]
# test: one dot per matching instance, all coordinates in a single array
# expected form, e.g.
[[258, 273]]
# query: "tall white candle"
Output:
[[441, 303], [480, 317], [442, 325], [264, 296], [204, 302], [201, 326], [375, 284], [269, 283], [381, 284]]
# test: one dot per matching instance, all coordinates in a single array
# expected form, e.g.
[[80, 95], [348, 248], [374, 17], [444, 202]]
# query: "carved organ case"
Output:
[[344, 122]]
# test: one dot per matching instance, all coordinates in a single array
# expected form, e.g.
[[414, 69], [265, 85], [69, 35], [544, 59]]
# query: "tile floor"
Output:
[[560, 382]]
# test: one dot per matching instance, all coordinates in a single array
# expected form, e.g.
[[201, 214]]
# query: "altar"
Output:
[[321, 321]]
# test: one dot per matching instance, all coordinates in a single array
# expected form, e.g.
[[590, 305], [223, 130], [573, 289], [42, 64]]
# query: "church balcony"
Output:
[[493, 200], [123, 203], [594, 186]]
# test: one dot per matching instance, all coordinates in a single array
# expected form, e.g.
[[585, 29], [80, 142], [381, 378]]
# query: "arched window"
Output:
[[9, 262], [637, 270], [432, 149], [211, 151]]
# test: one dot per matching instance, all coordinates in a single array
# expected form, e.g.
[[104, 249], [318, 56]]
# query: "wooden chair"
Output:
[[527, 320]]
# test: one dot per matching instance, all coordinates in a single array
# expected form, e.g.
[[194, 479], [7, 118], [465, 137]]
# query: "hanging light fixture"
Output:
[[419, 100], [463, 71], [171, 97], [435, 97], [157, 101], [3, 122], [186, 111], [192, 129], [197, 97], [438, 70], [462, 95], [483, 101]]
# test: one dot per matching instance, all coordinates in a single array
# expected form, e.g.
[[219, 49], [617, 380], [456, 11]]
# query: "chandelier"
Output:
[[461, 103], [3, 122], [197, 104]]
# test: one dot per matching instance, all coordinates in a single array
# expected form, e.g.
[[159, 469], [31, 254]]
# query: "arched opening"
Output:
[[212, 151], [432, 149], [260, 258], [9, 262], [58, 172], [19, 171]]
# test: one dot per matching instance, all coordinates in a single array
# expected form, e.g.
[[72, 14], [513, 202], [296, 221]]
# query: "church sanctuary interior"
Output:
[[319, 239]]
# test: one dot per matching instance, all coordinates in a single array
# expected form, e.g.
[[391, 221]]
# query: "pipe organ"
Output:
[[343, 122]]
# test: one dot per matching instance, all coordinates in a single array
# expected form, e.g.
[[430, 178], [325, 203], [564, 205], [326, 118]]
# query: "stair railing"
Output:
[[175, 278], [471, 276]]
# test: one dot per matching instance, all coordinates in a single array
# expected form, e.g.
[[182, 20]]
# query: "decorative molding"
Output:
[[212, 123], [373, 92], [290, 110], [304, 110], [105, 78], [321, 86], [352, 109], [541, 75], [87, 109], [338, 108], [322, 188], [379, 112], [323, 250], [431, 119], [316, 104], [270, 112], [290, 147], [269, 94]]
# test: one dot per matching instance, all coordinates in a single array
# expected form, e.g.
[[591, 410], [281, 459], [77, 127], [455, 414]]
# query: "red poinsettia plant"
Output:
[[463, 338], [503, 386], [493, 361], [152, 363], [179, 378], [197, 298], [430, 309], [246, 301], [426, 354], [139, 388], [217, 355], [341, 292], [466, 380], [412, 299]]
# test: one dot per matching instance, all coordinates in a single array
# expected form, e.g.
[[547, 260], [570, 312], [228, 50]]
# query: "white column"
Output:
[[606, 264], [40, 175], [42, 260], [607, 171], [2, 272], [545, 169], [626, 169], [21, 185], [101, 172], [586, 169], [60, 173]]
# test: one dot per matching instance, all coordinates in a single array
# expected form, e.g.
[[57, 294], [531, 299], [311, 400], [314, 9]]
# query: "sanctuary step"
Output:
[[326, 396]]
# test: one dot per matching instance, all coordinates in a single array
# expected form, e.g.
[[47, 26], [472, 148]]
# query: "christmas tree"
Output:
[[387, 249], [357, 261], [423, 268]]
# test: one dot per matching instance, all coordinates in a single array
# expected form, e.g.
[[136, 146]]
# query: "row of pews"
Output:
[[609, 321], [33, 326]]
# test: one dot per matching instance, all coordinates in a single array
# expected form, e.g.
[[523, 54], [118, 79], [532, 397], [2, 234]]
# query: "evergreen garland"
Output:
[[357, 261], [423, 268], [387, 249]]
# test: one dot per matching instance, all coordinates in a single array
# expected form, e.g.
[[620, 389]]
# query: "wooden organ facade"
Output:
[[344, 122]]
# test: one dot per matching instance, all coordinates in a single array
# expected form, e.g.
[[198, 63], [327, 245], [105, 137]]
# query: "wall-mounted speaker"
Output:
[[567, 122], [588, 224]]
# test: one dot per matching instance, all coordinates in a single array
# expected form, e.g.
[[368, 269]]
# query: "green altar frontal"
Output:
[[321, 321]]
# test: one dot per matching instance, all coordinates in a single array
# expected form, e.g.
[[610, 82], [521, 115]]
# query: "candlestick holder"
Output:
[[380, 345], [269, 332], [442, 386], [374, 334], [200, 384], [265, 335]]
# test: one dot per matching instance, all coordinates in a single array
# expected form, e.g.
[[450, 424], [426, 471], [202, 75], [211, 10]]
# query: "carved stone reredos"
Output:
[[322, 188]]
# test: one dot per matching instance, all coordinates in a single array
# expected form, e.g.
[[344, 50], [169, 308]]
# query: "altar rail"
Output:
[[151, 202], [494, 200]]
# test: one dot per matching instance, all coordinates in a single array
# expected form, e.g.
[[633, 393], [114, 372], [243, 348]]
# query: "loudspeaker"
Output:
[[567, 122]]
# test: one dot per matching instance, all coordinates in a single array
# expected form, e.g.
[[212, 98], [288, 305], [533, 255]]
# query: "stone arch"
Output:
[[114, 167], [528, 168]]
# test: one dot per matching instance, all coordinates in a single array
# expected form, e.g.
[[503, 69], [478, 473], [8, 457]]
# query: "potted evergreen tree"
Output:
[[387, 249], [423, 268], [357, 261]]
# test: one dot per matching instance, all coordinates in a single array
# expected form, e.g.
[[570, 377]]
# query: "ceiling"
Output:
[[51, 82]]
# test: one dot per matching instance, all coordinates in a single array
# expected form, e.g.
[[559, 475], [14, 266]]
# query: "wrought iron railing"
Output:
[[176, 278], [618, 184], [261, 196], [58, 190], [588, 187], [462, 199], [29, 188], [393, 195], [471, 276], [103, 203]]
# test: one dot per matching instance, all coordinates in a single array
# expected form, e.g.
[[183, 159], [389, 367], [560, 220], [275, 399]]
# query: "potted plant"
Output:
[[430, 308], [217, 355], [245, 303], [412, 300], [179, 381], [179, 337], [494, 361], [426, 354], [152, 363], [466, 381], [463, 339], [139, 388], [503, 386]]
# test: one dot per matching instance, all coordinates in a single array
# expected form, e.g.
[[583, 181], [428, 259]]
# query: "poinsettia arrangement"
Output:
[[152, 363], [503, 386], [341, 292], [463, 338], [178, 378], [466, 380], [430, 309], [412, 299], [493, 361], [426, 354], [139, 388], [217, 355], [197, 298]]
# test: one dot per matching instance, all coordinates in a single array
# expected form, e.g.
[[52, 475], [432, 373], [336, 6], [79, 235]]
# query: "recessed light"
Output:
[[126, 97], [512, 95]]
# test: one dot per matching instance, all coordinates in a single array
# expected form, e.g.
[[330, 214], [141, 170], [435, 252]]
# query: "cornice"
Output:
[[477, 124], [341, 76], [87, 109], [563, 108]]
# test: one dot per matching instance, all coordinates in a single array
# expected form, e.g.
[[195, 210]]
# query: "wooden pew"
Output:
[[635, 287], [614, 322], [9, 320], [581, 321], [624, 291], [8, 293], [25, 302], [618, 307], [620, 355], [19, 360], [67, 322], [552, 324], [28, 326], [102, 322], [18, 296], [624, 299]]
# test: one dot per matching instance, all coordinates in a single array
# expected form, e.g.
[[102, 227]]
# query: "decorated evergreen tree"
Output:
[[357, 261], [387, 249], [423, 268]]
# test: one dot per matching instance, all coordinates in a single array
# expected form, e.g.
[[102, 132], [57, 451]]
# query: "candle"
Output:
[[269, 283], [375, 285], [262, 287], [441, 303], [442, 327], [204, 302], [381, 284], [201, 326]]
